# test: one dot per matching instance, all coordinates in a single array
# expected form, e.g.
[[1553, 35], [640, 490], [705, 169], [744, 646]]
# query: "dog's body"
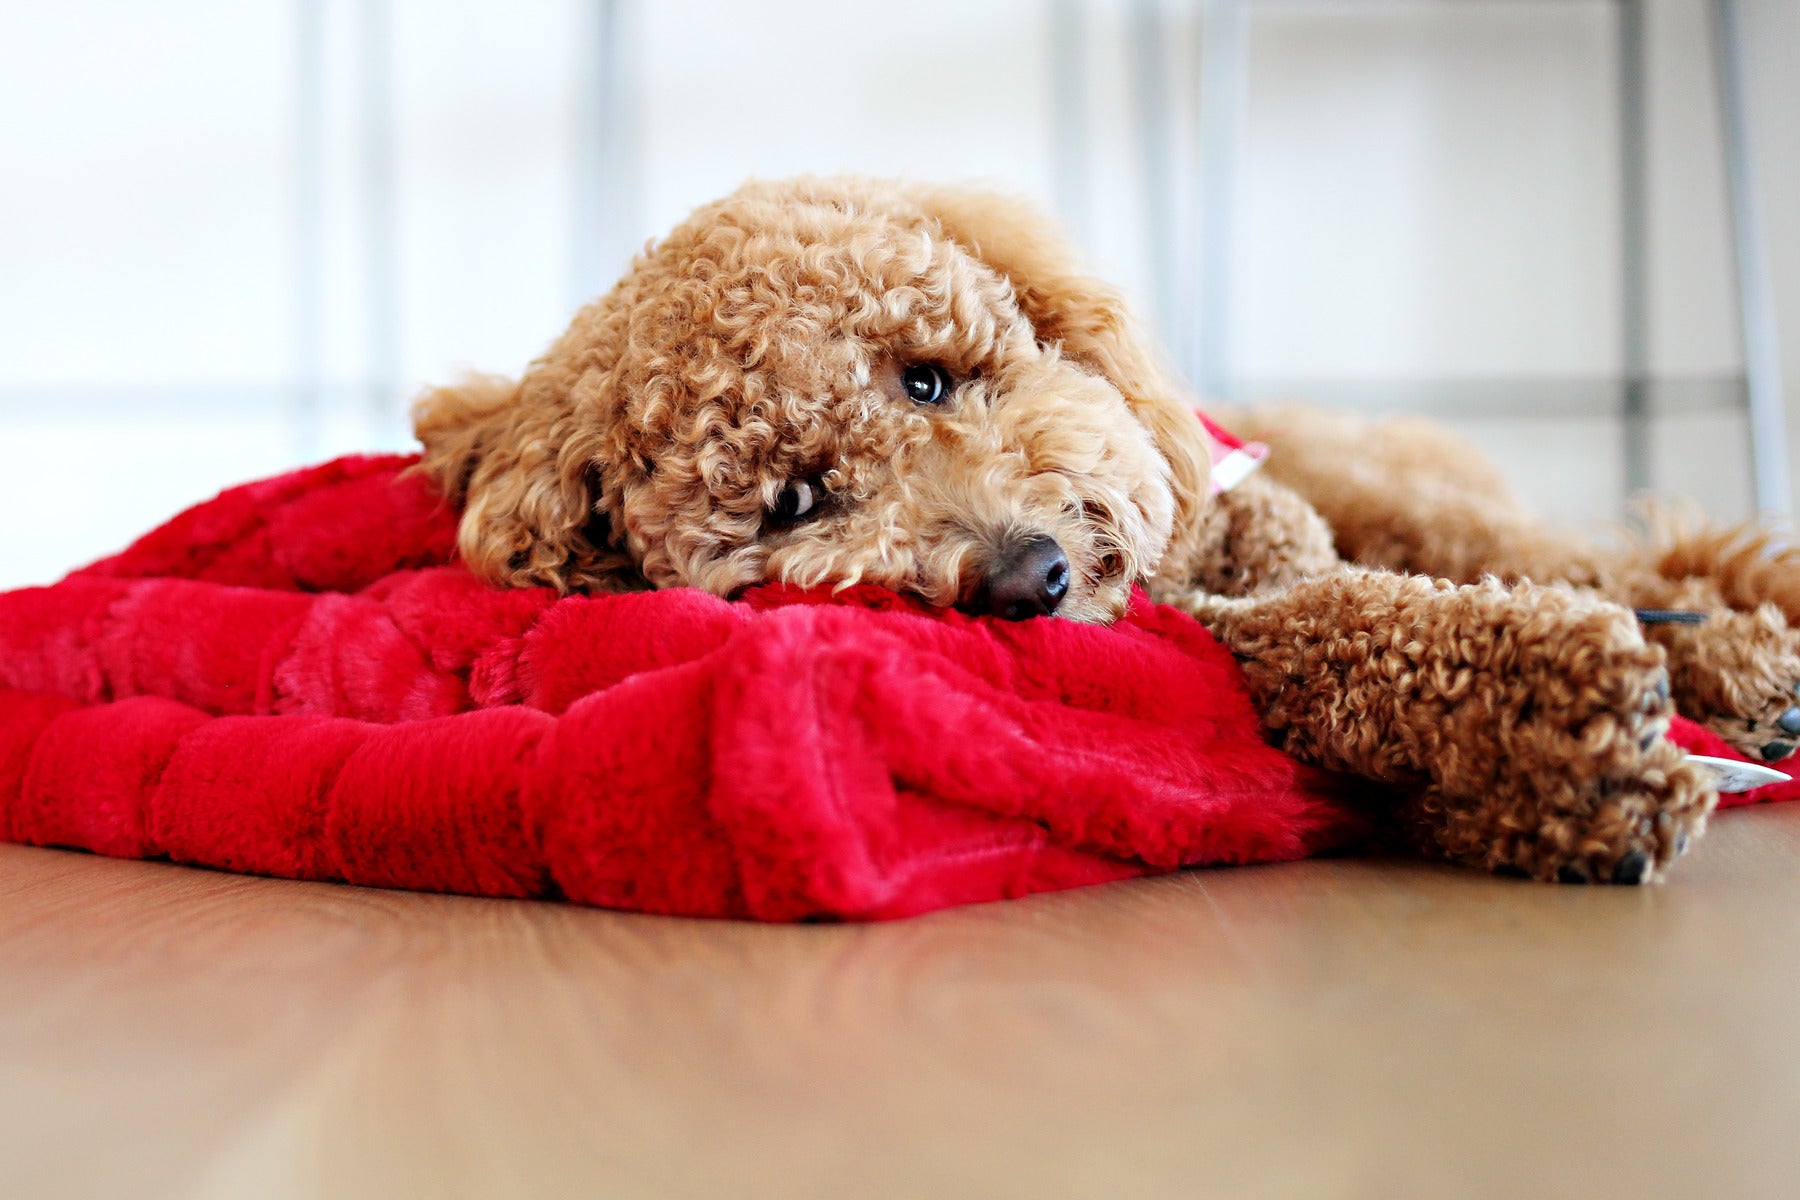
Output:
[[829, 381]]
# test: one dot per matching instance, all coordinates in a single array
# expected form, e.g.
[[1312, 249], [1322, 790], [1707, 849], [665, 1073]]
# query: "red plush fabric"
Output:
[[297, 679]]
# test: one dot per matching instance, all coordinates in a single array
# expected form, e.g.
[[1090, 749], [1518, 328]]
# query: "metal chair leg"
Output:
[[306, 415], [1070, 144], [377, 144], [1152, 103], [1756, 303], [607, 167], [1223, 80], [1634, 239]]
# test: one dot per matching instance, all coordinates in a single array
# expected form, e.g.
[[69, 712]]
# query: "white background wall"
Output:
[[1429, 196]]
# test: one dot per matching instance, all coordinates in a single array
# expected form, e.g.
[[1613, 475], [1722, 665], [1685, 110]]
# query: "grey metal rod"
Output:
[[377, 145], [605, 167], [1223, 83], [1151, 103], [1634, 244], [1070, 127], [308, 230], [1756, 299]]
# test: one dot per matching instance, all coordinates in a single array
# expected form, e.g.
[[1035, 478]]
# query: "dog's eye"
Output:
[[797, 499], [926, 385]]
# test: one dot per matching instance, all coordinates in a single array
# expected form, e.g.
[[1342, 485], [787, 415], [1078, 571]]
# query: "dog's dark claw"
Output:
[[1669, 616], [1632, 868], [1648, 740], [1571, 874], [1681, 844], [1661, 687]]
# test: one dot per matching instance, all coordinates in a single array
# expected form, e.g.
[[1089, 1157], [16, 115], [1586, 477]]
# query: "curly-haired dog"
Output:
[[1417, 498], [827, 381]]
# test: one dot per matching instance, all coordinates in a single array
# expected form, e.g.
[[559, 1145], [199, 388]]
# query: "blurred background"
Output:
[[237, 236]]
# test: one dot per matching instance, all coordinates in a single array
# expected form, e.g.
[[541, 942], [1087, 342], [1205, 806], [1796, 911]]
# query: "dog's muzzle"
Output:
[[1028, 579]]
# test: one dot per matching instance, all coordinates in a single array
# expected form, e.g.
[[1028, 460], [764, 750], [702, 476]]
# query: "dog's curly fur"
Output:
[[1416, 498], [763, 345]]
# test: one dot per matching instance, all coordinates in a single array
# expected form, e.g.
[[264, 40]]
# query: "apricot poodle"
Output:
[[827, 381]]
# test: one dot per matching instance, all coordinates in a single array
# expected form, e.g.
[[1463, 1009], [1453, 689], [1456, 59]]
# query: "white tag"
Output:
[[1234, 466], [1730, 775]]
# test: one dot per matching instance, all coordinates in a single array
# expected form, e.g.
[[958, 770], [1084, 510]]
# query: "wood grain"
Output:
[[1343, 1028]]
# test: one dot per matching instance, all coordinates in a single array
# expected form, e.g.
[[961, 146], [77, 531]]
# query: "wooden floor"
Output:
[[1349, 1028]]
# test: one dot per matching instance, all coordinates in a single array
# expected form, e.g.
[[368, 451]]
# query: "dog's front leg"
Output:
[[1522, 725]]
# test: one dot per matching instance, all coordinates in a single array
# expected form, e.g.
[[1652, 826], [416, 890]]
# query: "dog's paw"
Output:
[[1738, 673], [1586, 788]]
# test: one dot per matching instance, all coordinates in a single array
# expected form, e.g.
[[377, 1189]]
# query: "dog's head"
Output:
[[830, 382]]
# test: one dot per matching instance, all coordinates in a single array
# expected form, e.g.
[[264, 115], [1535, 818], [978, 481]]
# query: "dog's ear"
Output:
[[523, 474], [1093, 324]]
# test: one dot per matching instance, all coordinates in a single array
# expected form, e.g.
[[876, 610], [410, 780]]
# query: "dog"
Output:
[[838, 381]]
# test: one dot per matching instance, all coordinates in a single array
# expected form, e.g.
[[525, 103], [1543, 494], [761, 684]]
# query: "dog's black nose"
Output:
[[1776, 751], [1029, 579]]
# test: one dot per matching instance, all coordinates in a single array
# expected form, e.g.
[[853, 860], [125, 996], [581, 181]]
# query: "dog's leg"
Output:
[[1260, 535], [1737, 670], [1523, 725], [1408, 495]]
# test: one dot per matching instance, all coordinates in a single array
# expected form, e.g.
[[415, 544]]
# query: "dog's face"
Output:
[[816, 384]]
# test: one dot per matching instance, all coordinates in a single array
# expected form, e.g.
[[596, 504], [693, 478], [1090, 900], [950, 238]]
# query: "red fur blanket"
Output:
[[296, 679]]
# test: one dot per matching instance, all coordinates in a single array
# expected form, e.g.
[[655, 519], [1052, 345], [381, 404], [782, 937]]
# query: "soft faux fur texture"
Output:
[[295, 678], [842, 381]]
